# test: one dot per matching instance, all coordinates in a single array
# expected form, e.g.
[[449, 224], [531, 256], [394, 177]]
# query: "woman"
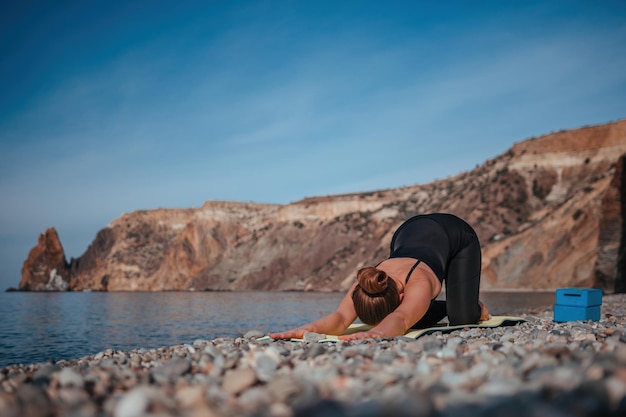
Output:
[[399, 293]]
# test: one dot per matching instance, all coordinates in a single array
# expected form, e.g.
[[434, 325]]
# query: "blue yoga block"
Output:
[[579, 297], [569, 313]]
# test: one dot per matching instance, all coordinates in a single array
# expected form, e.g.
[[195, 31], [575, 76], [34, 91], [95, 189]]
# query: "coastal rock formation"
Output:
[[46, 268], [549, 213]]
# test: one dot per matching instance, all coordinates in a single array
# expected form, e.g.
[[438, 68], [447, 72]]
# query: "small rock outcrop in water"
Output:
[[549, 213], [46, 268]]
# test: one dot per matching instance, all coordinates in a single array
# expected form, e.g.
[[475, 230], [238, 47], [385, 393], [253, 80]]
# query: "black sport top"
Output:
[[433, 239]]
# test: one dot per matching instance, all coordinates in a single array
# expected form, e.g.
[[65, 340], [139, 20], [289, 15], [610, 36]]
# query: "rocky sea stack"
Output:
[[549, 213]]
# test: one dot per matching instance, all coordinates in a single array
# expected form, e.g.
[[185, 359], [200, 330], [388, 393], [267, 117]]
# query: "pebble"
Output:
[[238, 380], [43, 375], [136, 401], [312, 337], [253, 334], [539, 368], [171, 370], [266, 366], [69, 377]]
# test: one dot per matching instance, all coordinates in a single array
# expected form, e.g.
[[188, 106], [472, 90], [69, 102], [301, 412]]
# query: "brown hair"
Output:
[[375, 296]]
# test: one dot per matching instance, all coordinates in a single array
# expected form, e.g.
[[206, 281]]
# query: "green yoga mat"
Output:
[[494, 321]]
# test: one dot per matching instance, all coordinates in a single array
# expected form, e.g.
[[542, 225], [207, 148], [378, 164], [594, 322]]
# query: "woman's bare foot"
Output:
[[484, 313]]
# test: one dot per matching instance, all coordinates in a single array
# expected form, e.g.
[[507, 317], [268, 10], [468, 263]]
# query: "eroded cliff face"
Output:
[[549, 213]]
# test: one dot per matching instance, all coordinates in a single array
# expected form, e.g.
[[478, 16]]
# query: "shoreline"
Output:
[[538, 367]]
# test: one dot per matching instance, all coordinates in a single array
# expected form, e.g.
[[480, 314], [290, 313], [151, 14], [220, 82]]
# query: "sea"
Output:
[[42, 327]]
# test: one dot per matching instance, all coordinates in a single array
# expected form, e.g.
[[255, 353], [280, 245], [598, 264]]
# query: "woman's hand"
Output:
[[370, 334], [334, 323], [289, 334]]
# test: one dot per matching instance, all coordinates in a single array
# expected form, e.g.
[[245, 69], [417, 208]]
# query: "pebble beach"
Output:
[[536, 368]]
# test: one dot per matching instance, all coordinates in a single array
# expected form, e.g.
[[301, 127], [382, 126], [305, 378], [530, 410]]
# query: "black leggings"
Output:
[[462, 283]]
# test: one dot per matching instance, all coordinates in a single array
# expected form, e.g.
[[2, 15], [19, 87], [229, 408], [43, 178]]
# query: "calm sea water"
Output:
[[38, 327]]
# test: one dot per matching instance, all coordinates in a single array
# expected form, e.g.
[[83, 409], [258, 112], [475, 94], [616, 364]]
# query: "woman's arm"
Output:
[[335, 323], [417, 297]]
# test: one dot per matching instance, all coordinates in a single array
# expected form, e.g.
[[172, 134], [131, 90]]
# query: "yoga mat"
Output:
[[494, 321]]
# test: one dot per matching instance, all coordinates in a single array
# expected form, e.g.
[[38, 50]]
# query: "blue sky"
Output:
[[110, 107]]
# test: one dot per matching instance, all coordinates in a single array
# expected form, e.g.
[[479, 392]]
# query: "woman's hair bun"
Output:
[[372, 281]]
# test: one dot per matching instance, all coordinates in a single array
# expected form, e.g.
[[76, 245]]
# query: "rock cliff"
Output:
[[549, 213], [45, 269]]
